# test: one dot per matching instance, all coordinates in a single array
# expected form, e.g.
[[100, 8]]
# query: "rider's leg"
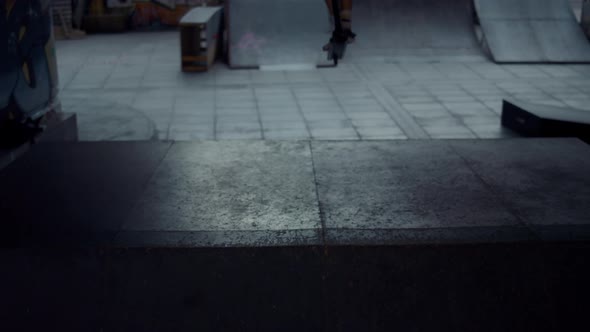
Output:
[[346, 14], [329, 4], [346, 18], [331, 13]]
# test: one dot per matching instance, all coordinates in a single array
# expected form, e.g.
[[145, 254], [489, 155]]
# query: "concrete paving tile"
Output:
[[325, 116], [119, 97], [374, 123], [193, 119], [550, 101], [198, 112], [360, 93], [122, 83], [370, 116], [250, 123], [491, 131], [410, 93], [423, 107], [247, 134], [581, 104], [286, 134], [490, 119], [425, 99], [334, 135], [440, 121], [492, 73], [280, 107], [541, 180], [482, 89], [277, 126], [284, 108], [330, 124], [526, 71], [558, 71], [381, 133], [363, 109], [492, 98], [235, 105], [449, 132], [456, 71], [192, 127], [145, 104], [233, 186], [188, 97], [373, 185], [564, 96], [313, 93], [193, 135], [459, 98], [268, 77], [531, 97], [236, 115], [423, 117], [280, 116], [228, 94], [328, 103], [457, 106], [319, 109]]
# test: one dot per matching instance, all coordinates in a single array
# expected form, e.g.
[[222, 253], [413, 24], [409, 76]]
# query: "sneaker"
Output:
[[350, 35]]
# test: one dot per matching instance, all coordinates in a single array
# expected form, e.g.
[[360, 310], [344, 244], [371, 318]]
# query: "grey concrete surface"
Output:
[[129, 86], [544, 181], [232, 187], [410, 190], [269, 193]]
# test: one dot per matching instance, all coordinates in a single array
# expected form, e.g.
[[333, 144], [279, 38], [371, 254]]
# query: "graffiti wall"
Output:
[[28, 68], [146, 13]]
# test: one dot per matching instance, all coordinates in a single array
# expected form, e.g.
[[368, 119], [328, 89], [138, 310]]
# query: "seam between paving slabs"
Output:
[[400, 116], [494, 192], [317, 194]]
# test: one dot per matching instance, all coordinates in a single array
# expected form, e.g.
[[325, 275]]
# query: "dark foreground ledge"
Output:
[[483, 287]]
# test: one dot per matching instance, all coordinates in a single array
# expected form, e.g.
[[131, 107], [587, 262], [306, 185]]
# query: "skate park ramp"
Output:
[[393, 28], [277, 33], [269, 32], [532, 31]]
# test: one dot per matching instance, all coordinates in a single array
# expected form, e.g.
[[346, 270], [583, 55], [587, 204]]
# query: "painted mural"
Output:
[[28, 68], [149, 13]]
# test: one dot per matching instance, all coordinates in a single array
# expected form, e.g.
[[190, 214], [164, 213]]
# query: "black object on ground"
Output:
[[535, 120]]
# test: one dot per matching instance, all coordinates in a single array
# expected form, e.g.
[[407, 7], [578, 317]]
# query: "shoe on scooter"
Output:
[[351, 36]]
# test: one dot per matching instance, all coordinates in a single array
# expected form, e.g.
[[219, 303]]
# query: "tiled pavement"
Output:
[[129, 87]]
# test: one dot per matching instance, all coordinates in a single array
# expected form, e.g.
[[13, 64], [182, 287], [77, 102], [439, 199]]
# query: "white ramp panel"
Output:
[[277, 32], [532, 31]]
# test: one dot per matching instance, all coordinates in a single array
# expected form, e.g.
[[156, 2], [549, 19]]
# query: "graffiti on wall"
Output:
[[146, 13], [28, 80], [156, 13]]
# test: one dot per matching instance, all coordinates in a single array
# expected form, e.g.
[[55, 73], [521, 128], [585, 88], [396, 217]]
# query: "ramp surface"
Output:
[[528, 31], [269, 32], [412, 27]]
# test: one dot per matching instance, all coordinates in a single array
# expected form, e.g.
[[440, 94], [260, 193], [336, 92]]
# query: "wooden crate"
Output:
[[199, 33]]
